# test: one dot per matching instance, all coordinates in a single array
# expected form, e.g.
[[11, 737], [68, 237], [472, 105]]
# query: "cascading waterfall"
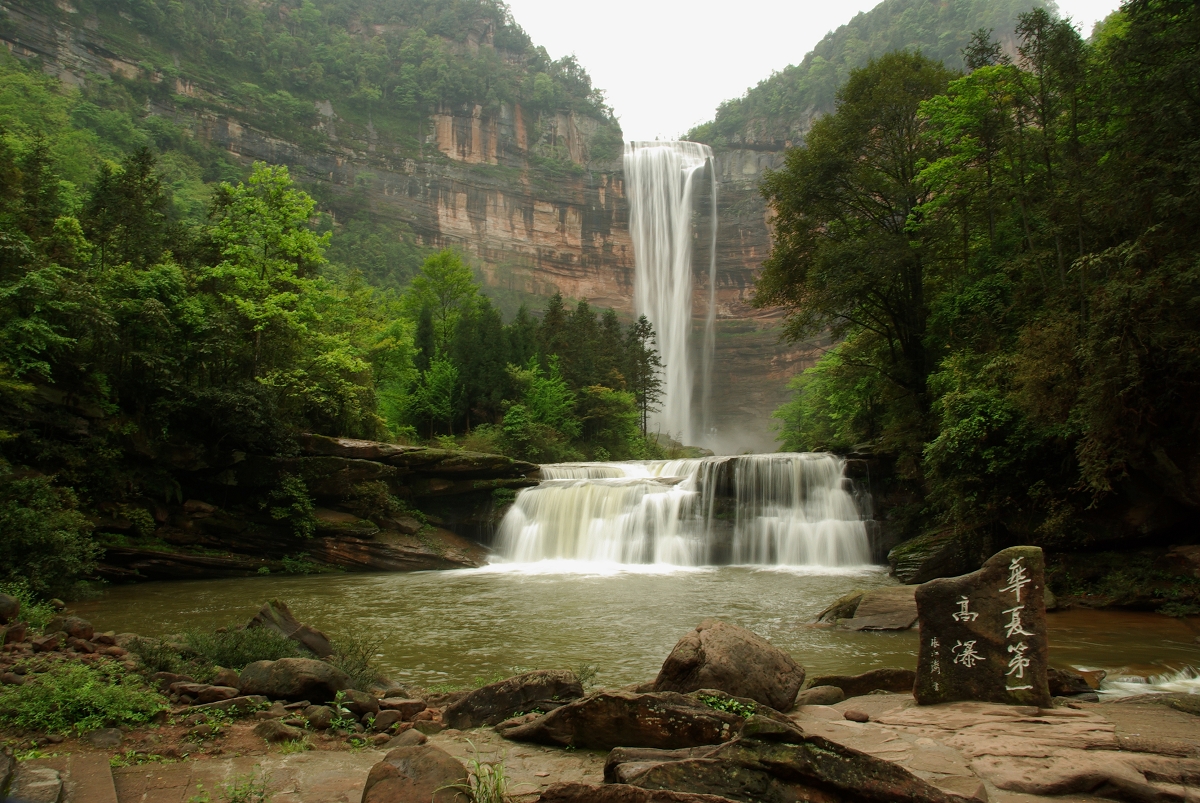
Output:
[[775, 509], [661, 180]]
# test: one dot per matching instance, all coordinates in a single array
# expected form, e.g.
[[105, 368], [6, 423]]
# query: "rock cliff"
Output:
[[534, 199]]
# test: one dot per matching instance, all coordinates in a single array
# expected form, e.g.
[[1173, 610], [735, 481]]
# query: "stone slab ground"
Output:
[[1134, 749]]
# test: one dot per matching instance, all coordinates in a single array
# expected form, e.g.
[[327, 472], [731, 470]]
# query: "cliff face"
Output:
[[524, 195]]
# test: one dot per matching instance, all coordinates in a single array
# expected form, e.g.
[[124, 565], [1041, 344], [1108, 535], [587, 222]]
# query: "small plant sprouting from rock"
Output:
[[586, 675], [487, 781], [248, 789], [728, 704]]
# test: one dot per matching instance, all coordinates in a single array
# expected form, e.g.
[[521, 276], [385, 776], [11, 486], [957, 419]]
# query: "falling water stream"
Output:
[[773, 509], [662, 179]]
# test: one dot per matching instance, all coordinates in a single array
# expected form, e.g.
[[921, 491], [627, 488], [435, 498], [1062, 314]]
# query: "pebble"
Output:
[[855, 715]]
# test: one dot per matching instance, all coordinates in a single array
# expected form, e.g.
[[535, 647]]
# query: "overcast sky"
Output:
[[666, 65]]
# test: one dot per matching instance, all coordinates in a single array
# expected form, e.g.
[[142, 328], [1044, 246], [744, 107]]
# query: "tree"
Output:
[[644, 370], [850, 253], [446, 286]]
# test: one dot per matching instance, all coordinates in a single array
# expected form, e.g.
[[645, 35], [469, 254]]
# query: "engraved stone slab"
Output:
[[983, 635]]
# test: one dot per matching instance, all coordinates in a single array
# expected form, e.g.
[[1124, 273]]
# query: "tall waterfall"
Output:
[[774, 509], [661, 179]]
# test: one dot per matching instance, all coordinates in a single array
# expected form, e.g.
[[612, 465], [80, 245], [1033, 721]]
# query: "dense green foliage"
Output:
[[77, 698], [160, 308], [1010, 261], [780, 108]]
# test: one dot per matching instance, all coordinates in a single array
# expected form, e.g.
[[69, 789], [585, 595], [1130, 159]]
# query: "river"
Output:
[[454, 627]]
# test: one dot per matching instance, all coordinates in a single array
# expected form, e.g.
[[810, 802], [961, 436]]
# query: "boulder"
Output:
[[544, 689], [983, 635], [794, 768], [620, 793], [236, 706], [73, 626], [275, 615], [359, 702], [410, 738], [165, 680], [888, 679], [820, 695], [385, 720], [15, 632], [320, 717], [1066, 682], [293, 679], [722, 656], [10, 609], [225, 677], [45, 643], [609, 719], [275, 731], [417, 773], [890, 608], [841, 608], [105, 738], [945, 553], [407, 708]]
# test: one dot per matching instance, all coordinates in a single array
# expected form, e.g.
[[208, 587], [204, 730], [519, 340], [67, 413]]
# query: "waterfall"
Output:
[[661, 179], [773, 509]]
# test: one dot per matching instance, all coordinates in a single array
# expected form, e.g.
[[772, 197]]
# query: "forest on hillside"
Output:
[[1009, 260], [781, 107]]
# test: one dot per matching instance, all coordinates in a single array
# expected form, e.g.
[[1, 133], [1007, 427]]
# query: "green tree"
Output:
[[444, 285], [644, 369]]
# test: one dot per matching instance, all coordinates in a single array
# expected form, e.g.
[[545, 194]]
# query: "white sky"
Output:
[[666, 65]]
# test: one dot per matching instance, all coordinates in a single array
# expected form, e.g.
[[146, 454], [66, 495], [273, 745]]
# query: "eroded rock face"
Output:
[[792, 768], [420, 772], [293, 679], [275, 615], [717, 655], [983, 635], [543, 690], [609, 719]]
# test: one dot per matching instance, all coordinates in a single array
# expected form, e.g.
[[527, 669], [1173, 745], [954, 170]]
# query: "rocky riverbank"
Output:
[[728, 718], [338, 504]]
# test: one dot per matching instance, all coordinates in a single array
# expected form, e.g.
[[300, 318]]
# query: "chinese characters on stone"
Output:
[[1018, 578]]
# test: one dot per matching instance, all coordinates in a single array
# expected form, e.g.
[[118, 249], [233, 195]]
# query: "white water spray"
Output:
[[661, 179], [773, 509]]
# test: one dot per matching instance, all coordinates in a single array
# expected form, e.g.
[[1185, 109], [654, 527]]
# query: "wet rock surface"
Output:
[[983, 635], [717, 655], [542, 690]]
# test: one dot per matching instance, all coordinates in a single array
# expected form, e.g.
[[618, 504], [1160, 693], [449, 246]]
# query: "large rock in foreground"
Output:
[[420, 773], [543, 690], [606, 720], [789, 767], [722, 656], [983, 635], [293, 679]]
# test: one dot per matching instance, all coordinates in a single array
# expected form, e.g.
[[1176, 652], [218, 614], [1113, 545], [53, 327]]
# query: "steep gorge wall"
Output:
[[519, 193]]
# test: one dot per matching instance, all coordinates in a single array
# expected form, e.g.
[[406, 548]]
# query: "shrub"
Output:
[[235, 648], [78, 697], [36, 612], [290, 502], [354, 653], [47, 543], [157, 656]]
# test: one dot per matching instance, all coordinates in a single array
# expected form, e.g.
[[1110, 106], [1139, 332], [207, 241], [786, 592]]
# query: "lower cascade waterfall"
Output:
[[770, 509]]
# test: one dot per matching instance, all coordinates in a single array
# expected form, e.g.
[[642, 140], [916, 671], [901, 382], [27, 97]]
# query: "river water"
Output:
[[453, 627], [609, 564]]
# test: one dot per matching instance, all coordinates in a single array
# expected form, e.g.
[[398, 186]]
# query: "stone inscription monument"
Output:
[[983, 635]]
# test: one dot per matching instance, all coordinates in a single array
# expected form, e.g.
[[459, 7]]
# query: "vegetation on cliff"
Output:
[[1008, 259], [781, 108]]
